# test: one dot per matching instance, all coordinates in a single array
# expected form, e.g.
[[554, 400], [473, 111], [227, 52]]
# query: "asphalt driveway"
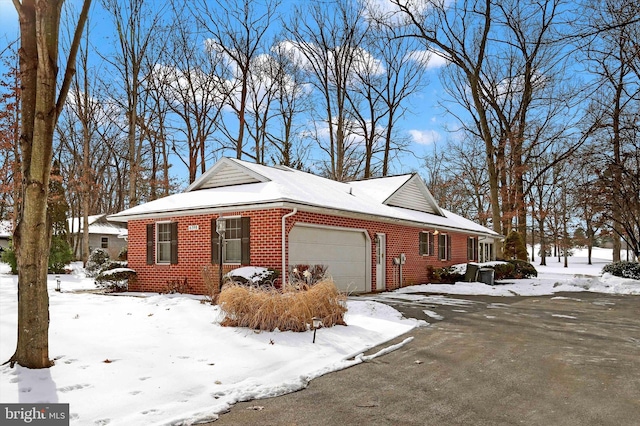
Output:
[[567, 359]]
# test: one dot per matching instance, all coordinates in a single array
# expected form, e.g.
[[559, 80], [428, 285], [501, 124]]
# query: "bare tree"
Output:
[[390, 68], [612, 54], [292, 100], [137, 25], [41, 106], [508, 70], [10, 179], [193, 92], [328, 40], [237, 31]]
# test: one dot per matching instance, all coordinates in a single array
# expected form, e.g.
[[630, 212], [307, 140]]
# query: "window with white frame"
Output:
[[236, 247], [232, 252], [426, 244], [444, 247], [472, 249], [163, 242]]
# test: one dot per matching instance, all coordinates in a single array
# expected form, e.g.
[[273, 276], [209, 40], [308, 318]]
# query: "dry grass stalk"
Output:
[[292, 309]]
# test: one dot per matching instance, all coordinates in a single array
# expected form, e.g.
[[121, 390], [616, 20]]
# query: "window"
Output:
[[472, 249], [426, 244], [444, 247], [104, 242], [162, 243], [236, 246]]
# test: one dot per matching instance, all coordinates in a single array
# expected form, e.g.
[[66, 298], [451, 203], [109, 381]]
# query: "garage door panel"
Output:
[[343, 251]]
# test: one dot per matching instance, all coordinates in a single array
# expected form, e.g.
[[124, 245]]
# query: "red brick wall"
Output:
[[400, 239], [194, 248]]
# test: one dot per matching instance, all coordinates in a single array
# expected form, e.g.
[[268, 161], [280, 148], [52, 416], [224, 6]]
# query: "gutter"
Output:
[[284, 245]]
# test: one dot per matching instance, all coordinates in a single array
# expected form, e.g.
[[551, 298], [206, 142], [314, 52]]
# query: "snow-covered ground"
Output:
[[164, 359], [553, 278]]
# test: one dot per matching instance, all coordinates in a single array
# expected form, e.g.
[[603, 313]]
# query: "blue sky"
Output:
[[424, 123]]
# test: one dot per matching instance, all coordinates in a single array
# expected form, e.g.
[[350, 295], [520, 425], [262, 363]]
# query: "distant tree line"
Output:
[[545, 97]]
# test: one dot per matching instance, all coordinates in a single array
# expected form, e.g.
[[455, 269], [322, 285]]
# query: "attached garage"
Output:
[[346, 252]]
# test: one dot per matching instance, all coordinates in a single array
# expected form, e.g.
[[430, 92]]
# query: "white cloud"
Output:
[[429, 59], [425, 137]]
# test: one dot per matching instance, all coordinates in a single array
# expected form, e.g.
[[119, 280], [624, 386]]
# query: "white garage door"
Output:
[[343, 250]]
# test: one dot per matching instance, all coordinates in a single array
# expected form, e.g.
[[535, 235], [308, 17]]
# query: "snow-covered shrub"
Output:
[[447, 275], [97, 259], [522, 269], [252, 275], [124, 252], [115, 280], [514, 269], [267, 308], [624, 269], [503, 270]]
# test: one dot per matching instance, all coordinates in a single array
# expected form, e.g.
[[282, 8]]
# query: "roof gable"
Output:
[[226, 172], [414, 195]]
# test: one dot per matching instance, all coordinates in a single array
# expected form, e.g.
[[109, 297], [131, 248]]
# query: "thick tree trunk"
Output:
[[39, 29], [39, 25]]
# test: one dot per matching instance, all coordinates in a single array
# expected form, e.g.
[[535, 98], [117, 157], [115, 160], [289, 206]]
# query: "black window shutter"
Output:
[[246, 241], [174, 243], [150, 242], [215, 244], [448, 247]]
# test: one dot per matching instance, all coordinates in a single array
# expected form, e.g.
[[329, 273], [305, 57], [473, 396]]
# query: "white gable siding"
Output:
[[228, 176], [411, 196]]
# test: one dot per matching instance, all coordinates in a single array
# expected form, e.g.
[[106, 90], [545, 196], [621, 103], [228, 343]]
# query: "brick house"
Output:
[[373, 234]]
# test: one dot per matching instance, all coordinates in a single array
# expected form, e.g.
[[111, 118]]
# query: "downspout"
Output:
[[284, 245]]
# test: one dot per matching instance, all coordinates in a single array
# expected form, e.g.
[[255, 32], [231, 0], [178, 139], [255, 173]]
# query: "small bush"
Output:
[[522, 269], [9, 257], [265, 308], [97, 259], [503, 270], [624, 269], [447, 275], [307, 274], [114, 280], [60, 255], [177, 285], [210, 278]]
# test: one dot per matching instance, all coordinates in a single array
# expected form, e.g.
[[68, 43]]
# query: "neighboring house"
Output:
[[279, 217], [105, 234], [6, 234]]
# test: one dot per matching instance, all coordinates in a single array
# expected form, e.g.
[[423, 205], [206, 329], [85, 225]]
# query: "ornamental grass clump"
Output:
[[290, 309]]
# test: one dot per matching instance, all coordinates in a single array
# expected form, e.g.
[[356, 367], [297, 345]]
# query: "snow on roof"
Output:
[[268, 185], [98, 224]]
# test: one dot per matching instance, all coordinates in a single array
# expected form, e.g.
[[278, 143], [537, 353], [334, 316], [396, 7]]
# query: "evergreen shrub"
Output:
[[623, 269]]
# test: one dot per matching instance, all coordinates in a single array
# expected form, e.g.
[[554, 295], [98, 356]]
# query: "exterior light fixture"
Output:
[[317, 322], [436, 232], [58, 283]]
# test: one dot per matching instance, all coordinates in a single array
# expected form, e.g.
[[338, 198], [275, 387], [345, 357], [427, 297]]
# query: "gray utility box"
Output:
[[485, 275]]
